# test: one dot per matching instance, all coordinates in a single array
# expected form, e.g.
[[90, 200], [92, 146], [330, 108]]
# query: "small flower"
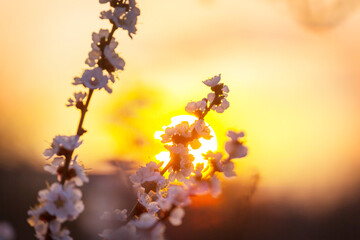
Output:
[[145, 200], [60, 143], [205, 186], [182, 167], [54, 166], [124, 16], [114, 59], [196, 108], [198, 170], [106, 14], [178, 134], [57, 233], [179, 149], [202, 130], [64, 202], [93, 79], [79, 97], [76, 172], [95, 53], [149, 177], [214, 160], [39, 219], [145, 221], [217, 97], [212, 82], [176, 195], [222, 104], [176, 216], [234, 135], [235, 147], [228, 169], [215, 187]]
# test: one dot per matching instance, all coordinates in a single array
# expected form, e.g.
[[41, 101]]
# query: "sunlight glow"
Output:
[[206, 145]]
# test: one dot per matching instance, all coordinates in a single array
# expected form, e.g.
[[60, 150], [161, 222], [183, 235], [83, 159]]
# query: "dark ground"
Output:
[[232, 216]]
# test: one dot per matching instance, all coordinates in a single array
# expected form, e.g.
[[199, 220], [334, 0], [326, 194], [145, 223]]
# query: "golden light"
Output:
[[206, 145]]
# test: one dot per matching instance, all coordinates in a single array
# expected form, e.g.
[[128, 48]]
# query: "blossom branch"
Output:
[[164, 192], [61, 201]]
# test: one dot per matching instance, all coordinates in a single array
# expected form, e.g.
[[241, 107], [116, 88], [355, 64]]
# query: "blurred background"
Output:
[[292, 67]]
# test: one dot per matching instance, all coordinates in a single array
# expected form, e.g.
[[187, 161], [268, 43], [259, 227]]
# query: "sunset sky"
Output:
[[293, 79]]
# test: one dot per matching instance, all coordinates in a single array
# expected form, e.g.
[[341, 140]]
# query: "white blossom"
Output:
[[93, 79], [146, 201], [124, 17], [78, 97], [201, 129], [54, 166], [214, 160], [145, 221], [198, 170], [183, 170], [220, 108], [38, 222], [212, 82], [79, 178], [57, 233], [215, 187], [179, 149], [64, 202], [176, 195], [148, 176], [115, 60], [234, 135], [193, 107], [76, 172], [67, 142], [228, 168], [95, 53], [180, 130], [176, 216], [235, 147], [109, 56]]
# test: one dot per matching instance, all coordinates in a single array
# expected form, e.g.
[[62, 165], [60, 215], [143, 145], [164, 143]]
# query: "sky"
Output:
[[292, 72]]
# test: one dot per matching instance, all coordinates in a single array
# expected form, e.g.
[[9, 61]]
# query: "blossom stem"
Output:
[[207, 110], [111, 34], [166, 168], [80, 131]]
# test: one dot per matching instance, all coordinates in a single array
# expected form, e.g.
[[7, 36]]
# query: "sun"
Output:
[[206, 145]]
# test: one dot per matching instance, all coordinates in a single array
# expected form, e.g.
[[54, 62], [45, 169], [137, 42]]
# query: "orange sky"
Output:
[[294, 89]]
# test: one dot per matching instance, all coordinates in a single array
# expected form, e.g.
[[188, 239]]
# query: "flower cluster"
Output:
[[164, 191], [216, 100], [61, 201], [123, 14], [102, 59]]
